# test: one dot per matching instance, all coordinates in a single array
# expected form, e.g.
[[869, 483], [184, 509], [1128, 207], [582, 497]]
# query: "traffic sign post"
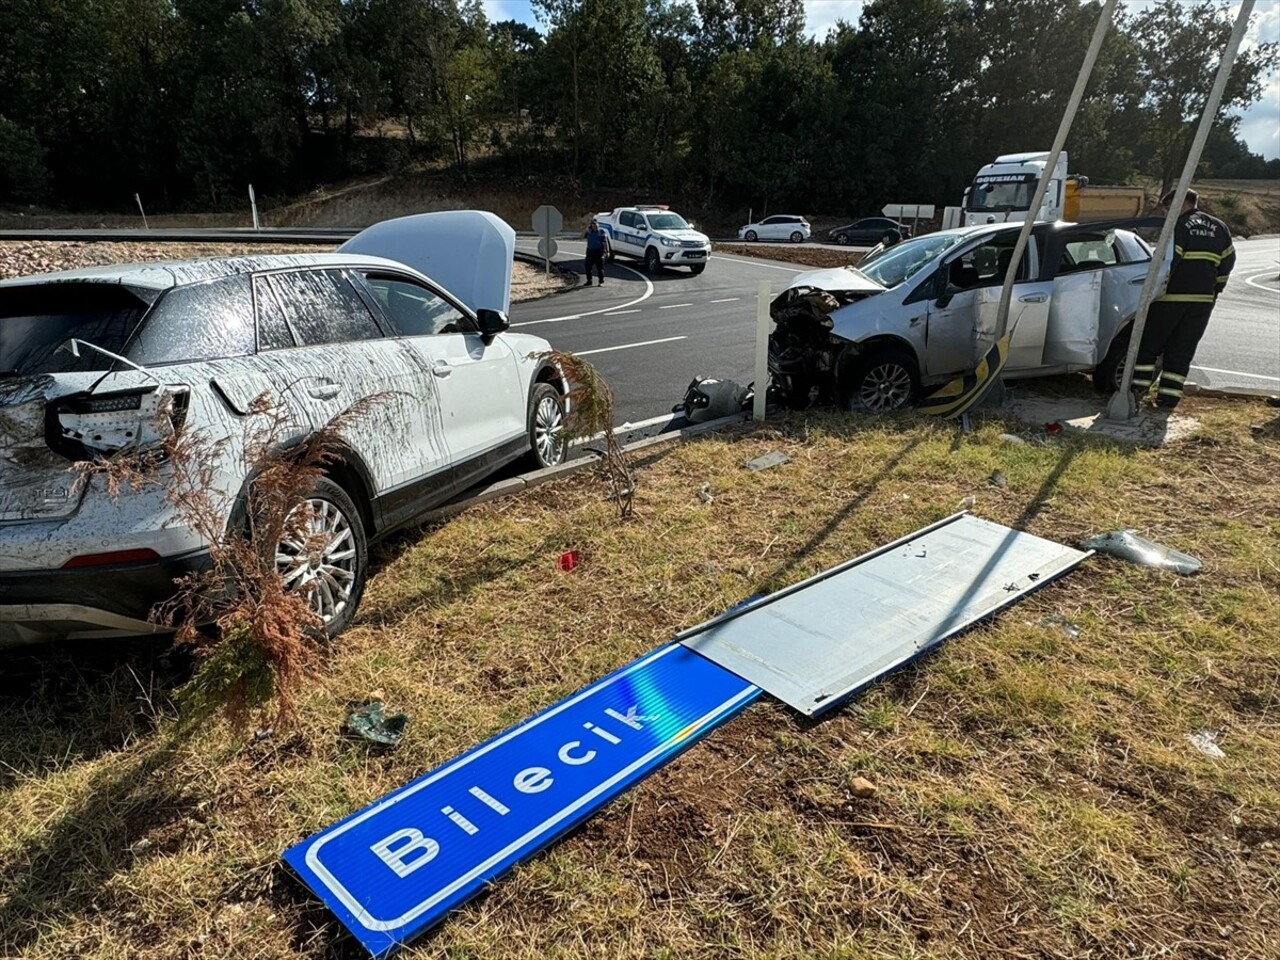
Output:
[[916, 211], [547, 222]]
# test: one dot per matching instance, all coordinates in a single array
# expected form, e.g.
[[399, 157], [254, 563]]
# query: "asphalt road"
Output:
[[649, 336], [1241, 348]]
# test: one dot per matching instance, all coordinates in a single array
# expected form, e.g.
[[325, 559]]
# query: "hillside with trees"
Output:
[[728, 101]]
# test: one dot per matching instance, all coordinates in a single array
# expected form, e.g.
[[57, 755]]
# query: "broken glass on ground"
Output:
[[1062, 624], [370, 723], [1206, 741], [776, 458], [1128, 545]]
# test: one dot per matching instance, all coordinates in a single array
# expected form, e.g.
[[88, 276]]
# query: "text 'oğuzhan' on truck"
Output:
[[1002, 193], [657, 236]]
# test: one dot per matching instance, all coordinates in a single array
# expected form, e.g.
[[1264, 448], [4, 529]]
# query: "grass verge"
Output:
[[1036, 793]]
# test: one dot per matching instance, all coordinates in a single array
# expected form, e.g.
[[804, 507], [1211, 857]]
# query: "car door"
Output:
[[344, 358], [962, 319], [1096, 286], [478, 386], [773, 228]]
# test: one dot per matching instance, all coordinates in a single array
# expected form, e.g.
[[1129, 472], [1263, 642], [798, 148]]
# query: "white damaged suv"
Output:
[[92, 362]]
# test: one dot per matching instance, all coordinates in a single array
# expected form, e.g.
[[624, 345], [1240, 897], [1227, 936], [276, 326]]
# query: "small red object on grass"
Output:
[[1052, 428], [567, 560]]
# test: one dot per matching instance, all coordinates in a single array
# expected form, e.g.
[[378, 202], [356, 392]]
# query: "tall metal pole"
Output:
[[1077, 94], [1123, 406]]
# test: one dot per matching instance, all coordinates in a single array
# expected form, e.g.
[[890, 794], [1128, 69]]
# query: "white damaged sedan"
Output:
[[93, 362], [917, 314]]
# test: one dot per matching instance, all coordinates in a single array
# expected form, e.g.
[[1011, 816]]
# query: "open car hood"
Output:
[[838, 279], [468, 252]]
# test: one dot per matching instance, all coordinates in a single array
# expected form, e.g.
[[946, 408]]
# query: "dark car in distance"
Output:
[[869, 230]]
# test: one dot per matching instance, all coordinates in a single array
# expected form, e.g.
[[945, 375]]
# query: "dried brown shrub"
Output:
[[591, 417], [265, 637]]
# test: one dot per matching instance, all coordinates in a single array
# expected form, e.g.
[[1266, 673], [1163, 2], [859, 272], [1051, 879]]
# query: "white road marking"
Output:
[[1270, 275], [672, 306], [1236, 373], [618, 313], [727, 300], [627, 346], [648, 292]]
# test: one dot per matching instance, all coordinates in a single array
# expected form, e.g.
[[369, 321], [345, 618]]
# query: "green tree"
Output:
[[1178, 47]]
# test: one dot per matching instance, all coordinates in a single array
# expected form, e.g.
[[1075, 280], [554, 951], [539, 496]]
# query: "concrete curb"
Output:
[[514, 485]]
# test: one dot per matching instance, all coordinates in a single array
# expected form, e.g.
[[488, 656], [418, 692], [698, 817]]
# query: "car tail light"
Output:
[[83, 426], [113, 557]]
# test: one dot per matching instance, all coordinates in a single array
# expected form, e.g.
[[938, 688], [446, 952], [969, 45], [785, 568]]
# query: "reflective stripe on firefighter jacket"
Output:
[[1202, 259]]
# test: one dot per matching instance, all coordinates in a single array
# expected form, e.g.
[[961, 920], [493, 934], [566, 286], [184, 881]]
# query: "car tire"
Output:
[[842, 239], [697, 268], [752, 236], [888, 237], [797, 237], [652, 262], [548, 441], [882, 381], [1108, 375], [337, 570]]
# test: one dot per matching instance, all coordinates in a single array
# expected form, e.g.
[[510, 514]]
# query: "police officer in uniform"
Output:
[[1202, 260]]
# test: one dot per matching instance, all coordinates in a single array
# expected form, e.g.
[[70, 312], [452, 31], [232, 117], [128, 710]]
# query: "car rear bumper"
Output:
[[105, 601]]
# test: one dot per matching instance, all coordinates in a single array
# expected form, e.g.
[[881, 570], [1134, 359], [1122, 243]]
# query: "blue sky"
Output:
[[1260, 128]]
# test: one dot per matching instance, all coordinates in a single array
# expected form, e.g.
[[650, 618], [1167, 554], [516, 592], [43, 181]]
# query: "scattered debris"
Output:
[[862, 788], [968, 503], [1273, 400], [1053, 429], [704, 493], [1065, 626], [1206, 741], [997, 480], [1128, 545], [567, 561], [1013, 439], [710, 399], [263, 733], [369, 722], [773, 459], [140, 847]]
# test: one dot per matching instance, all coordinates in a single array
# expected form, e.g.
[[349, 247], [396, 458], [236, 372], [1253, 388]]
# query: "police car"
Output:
[[657, 236]]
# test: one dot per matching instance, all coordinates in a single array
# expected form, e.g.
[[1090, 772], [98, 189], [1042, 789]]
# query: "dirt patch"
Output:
[[807, 256], [21, 258]]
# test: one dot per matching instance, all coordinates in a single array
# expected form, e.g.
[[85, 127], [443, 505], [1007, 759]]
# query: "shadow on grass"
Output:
[[122, 813]]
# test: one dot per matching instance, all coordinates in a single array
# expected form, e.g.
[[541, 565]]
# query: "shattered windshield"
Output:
[[36, 320], [1002, 195], [667, 221], [892, 265]]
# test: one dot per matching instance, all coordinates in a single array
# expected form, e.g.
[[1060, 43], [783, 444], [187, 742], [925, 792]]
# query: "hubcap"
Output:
[[886, 387], [548, 427], [318, 556]]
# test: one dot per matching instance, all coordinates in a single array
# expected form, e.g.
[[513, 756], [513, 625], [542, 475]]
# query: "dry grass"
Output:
[[1036, 795], [804, 255]]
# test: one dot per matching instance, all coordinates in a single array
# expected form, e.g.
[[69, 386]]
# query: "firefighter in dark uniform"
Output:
[[1202, 260]]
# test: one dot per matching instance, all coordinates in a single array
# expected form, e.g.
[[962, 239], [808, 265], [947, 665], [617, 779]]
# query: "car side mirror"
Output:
[[943, 300], [491, 323]]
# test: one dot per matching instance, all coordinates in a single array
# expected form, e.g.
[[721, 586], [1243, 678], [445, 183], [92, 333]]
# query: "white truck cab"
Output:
[[1002, 191], [657, 236]]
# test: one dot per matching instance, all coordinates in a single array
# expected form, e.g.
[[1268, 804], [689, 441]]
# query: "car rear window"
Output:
[[35, 321], [204, 321], [323, 307]]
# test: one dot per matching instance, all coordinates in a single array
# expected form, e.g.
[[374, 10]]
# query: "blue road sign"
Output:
[[393, 869]]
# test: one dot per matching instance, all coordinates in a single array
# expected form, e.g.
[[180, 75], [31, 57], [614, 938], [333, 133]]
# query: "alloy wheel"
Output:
[[886, 386], [318, 556], [548, 431]]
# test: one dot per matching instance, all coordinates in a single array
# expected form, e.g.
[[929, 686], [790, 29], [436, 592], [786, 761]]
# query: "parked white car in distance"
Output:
[[780, 227]]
